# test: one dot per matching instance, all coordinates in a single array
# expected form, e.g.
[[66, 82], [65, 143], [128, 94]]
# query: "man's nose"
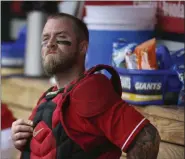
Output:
[[51, 44]]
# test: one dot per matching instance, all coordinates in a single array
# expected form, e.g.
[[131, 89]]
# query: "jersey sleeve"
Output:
[[120, 124]]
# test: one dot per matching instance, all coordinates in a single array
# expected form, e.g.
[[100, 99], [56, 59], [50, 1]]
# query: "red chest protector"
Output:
[[51, 137]]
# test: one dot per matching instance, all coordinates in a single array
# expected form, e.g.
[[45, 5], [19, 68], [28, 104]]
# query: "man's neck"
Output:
[[64, 78]]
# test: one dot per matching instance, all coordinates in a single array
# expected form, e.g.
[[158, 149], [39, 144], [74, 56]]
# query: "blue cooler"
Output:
[[100, 46], [102, 35], [107, 23]]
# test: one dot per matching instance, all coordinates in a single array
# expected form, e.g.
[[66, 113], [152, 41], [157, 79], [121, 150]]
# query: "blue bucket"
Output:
[[13, 52], [102, 37], [149, 87]]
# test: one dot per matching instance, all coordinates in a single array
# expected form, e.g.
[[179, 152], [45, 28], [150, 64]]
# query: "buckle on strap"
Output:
[[51, 95]]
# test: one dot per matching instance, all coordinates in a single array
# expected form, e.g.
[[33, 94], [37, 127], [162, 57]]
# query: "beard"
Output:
[[57, 63]]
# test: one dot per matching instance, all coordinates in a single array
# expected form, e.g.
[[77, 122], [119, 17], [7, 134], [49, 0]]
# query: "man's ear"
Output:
[[83, 47]]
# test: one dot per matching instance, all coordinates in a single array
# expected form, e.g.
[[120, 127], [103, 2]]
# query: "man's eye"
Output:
[[44, 42], [64, 42], [45, 39]]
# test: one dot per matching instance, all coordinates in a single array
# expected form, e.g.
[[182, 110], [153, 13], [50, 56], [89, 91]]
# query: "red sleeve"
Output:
[[120, 124]]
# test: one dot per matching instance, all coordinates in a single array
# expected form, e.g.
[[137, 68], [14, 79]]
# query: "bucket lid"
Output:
[[124, 11], [119, 21]]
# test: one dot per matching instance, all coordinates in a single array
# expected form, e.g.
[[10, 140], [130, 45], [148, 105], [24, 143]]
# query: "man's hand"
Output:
[[21, 131], [146, 144]]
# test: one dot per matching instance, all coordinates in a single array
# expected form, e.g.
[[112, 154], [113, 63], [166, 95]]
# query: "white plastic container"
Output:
[[8, 150]]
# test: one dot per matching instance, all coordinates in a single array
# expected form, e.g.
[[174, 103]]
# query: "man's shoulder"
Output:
[[93, 95]]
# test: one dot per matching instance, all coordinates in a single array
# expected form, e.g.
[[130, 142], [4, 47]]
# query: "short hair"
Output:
[[79, 26]]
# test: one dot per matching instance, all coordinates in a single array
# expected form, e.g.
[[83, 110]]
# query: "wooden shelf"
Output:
[[170, 112], [24, 92]]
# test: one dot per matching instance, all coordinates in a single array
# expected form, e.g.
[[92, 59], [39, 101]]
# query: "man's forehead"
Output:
[[55, 31], [58, 24]]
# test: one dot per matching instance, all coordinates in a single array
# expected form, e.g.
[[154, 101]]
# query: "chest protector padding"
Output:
[[99, 97], [51, 138]]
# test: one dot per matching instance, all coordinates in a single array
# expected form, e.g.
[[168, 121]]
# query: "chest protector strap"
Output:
[[115, 79]]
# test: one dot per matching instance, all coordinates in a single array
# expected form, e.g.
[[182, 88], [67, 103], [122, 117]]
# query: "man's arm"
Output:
[[145, 145]]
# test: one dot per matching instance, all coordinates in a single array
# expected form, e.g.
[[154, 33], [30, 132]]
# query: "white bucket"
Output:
[[125, 12]]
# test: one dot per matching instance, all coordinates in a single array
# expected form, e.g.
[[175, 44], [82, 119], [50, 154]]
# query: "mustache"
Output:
[[48, 52], [53, 52]]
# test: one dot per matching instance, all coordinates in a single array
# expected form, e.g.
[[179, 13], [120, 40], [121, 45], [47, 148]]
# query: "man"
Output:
[[64, 45]]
